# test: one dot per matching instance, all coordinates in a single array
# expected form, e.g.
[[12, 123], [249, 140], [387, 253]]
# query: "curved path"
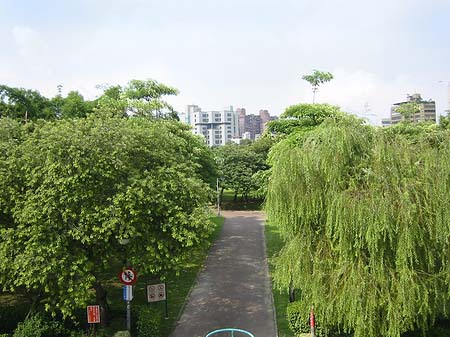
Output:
[[233, 290]]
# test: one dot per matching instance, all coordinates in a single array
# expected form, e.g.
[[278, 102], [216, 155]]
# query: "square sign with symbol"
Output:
[[156, 292]]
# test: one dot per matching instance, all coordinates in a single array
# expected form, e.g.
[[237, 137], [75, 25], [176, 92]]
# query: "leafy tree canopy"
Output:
[[74, 106], [316, 79], [444, 121], [408, 110], [23, 104], [365, 217], [76, 187], [303, 116], [138, 97], [237, 164]]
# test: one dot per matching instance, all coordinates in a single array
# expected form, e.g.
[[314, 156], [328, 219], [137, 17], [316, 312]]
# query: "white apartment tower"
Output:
[[217, 127]]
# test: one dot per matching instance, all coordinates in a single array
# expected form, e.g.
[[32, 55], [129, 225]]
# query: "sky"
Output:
[[244, 53]]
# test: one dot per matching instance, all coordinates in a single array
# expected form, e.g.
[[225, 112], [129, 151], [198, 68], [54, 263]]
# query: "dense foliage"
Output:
[[365, 215], [302, 117], [237, 166], [138, 97], [72, 189]]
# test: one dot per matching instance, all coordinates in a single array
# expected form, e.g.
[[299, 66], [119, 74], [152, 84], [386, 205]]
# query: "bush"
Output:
[[38, 326], [297, 323], [122, 334], [148, 321], [298, 320]]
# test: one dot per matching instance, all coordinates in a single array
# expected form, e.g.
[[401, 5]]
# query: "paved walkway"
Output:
[[233, 290]]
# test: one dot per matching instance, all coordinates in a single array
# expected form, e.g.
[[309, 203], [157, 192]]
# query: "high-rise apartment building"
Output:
[[253, 124], [217, 127], [426, 111]]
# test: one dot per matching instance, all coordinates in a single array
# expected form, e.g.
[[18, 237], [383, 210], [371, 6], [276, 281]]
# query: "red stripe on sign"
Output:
[[311, 319]]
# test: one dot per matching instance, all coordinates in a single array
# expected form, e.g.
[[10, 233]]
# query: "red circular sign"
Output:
[[128, 276]]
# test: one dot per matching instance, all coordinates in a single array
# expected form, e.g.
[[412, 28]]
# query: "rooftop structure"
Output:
[[426, 110]]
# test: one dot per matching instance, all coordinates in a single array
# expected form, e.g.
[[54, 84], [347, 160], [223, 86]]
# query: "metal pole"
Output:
[[218, 197], [129, 316]]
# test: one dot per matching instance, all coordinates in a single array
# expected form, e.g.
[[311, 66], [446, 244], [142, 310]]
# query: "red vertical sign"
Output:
[[93, 314], [312, 323]]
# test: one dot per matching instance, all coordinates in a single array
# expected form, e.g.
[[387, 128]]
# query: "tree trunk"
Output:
[[235, 196], [291, 292], [35, 300], [221, 194], [101, 299]]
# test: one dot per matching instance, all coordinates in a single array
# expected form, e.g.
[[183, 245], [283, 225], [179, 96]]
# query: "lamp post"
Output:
[[218, 197]]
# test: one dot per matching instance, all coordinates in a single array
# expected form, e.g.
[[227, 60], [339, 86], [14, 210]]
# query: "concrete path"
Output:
[[233, 290]]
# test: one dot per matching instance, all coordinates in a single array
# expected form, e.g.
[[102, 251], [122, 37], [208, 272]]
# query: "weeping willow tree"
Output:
[[365, 217]]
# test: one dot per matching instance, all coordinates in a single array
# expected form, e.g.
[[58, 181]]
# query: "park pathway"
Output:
[[233, 290]]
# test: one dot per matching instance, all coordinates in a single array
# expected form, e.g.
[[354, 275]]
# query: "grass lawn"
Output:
[[274, 244], [178, 287], [228, 203]]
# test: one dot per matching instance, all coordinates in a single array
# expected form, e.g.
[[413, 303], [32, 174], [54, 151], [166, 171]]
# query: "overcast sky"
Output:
[[245, 53]]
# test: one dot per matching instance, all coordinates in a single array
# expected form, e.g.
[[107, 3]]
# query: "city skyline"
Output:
[[248, 54]]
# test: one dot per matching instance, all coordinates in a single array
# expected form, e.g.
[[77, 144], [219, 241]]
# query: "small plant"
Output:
[[122, 334], [39, 326], [148, 322]]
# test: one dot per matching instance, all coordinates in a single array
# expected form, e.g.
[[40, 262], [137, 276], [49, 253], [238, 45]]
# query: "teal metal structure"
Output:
[[231, 331]]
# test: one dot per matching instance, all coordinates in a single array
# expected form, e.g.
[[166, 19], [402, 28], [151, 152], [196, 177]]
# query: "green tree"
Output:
[[74, 106], [408, 110], [237, 165], [138, 98], [365, 216], [302, 116], [444, 121], [22, 104], [78, 186], [316, 79]]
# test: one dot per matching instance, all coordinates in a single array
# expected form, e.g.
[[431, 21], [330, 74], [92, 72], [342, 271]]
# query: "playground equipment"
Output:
[[232, 331]]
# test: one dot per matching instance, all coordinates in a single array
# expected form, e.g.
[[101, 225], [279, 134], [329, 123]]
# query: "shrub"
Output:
[[122, 334], [297, 323], [38, 326], [148, 322]]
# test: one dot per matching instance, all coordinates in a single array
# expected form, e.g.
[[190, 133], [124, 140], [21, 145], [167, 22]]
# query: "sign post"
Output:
[[157, 292], [128, 296], [93, 316], [128, 277], [312, 323]]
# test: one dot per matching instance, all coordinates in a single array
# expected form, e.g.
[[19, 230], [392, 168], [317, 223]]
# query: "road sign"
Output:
[[128, 276], [93, 314], [156, 292], [127, 293]]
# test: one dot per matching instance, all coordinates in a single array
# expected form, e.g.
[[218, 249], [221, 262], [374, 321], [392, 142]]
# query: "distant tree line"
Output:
[[137, 98]]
